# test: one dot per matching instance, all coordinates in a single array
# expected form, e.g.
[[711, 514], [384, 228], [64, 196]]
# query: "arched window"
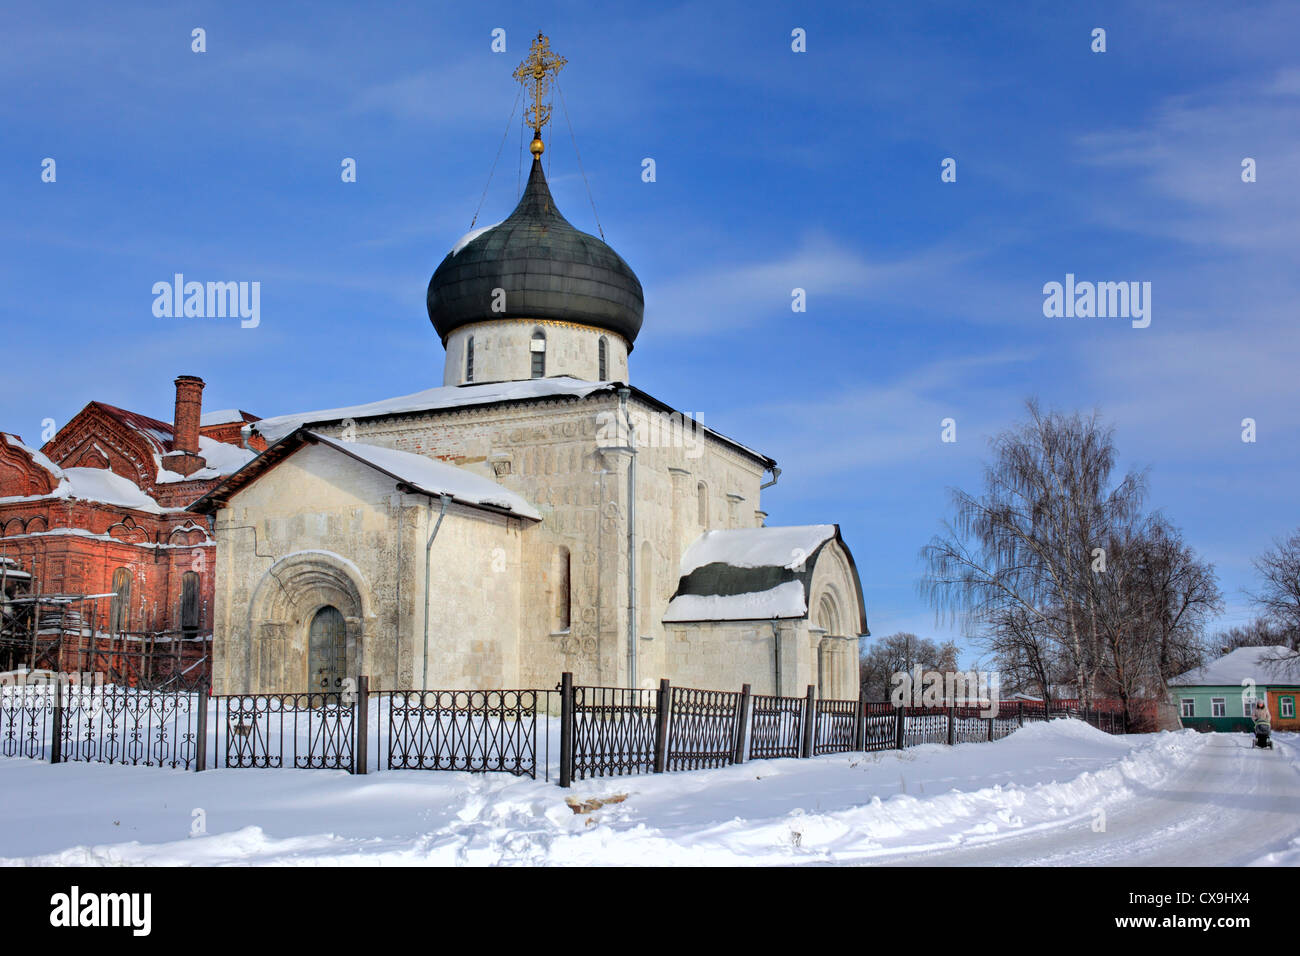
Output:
[[560, 576], [702, 505], [604, 359], [828, 616], [190, 608], [119, 609], [538, 349], [469, 359]]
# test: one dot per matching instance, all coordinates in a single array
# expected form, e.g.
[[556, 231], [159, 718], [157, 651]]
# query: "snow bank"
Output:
[[847, 808]]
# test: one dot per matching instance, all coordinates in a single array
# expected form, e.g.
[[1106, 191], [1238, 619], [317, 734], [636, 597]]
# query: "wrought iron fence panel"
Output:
[[313, 731], [836, 726], [123, 725], [776, 728], [881, 721], [925, 726], [703, 728], [26, 718], [613, 731], [473, 730]]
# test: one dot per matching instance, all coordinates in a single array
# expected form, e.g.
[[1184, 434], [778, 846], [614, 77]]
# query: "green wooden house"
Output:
[[1221, 695]]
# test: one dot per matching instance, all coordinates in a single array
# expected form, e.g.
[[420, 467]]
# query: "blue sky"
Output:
[[775, 170]]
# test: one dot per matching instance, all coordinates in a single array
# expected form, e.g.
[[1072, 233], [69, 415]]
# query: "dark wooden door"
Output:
[[327, 650]]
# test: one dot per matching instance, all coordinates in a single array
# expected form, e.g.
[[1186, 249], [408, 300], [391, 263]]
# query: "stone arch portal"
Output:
[[308, 619]]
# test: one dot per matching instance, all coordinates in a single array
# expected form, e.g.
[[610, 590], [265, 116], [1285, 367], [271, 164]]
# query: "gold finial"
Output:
[[538, 69]]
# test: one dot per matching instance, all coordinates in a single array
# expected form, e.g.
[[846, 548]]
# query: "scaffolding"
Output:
[[59, 633]]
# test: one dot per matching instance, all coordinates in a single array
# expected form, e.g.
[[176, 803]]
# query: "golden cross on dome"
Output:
[[538, 69]]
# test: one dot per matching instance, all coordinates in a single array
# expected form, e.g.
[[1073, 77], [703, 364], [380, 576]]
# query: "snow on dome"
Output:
[[470, 236], [444, 396], [436, 477], [784, 547], [783, 601], [1259, 664]]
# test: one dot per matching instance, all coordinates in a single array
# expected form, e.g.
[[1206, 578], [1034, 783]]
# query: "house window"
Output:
[[469, 359], [1286, 707], [538, 349], [119, 609], [604, 350], [1247, 706], [702, 504], [1189, 706], [189, 604], [1218, 707]]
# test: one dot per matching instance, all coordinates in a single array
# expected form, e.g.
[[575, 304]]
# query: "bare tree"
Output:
[[1279, 598], [1258, 633], [900, 653], [1060, 572]]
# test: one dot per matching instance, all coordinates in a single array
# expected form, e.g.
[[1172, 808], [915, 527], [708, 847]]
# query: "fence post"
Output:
[[1020, 712], [900, 718], [990, 720], [742, 722], [860, 726], [56, 745], [952, 724], [361, 707], [663, 712], [566, 729], [809, 716], [201, 752]]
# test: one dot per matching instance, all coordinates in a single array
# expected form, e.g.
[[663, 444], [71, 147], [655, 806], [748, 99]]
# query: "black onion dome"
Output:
[[548, 269]]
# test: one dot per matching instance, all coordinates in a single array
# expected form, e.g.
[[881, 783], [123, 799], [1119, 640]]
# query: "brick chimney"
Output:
[[184, 457]]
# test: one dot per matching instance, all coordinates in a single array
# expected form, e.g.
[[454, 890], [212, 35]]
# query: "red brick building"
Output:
[[93, 524]]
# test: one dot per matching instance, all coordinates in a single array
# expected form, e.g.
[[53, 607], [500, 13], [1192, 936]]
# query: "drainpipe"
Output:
[[776, 657], [623, 394], [424, 680], [776, 473]]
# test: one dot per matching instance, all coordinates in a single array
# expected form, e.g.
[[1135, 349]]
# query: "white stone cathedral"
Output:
[[534, 514]]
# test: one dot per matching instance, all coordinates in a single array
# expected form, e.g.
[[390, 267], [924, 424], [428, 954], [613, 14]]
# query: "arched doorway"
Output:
[[327, 649]]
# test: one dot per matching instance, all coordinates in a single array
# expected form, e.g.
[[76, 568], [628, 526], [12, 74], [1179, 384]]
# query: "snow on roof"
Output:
[[35, 454], [1245, 663], [445, 396], [222, 459], [470, 236], [747, 574], [100, 484], [223, 416], [782, 547], [435, 477], [784, 600]]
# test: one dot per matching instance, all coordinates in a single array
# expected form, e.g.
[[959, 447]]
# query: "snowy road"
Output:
[[1229, 805]]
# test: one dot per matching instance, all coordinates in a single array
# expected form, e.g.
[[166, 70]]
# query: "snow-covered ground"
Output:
[[1058, 792]]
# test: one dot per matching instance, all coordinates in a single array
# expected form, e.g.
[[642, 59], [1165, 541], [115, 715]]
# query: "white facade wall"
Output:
[[498, 617], [321, 528]]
